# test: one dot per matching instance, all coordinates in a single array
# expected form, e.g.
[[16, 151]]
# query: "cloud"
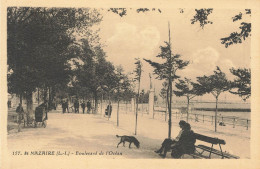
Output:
[[124, 33], [128, 37], [204, 62], [129, 41], [205, 59], [150, 37]]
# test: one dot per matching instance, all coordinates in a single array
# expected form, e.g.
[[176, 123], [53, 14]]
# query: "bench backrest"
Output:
[[208, 139]]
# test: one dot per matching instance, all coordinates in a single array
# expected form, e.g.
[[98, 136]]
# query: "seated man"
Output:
[[186, 143], [182, 144], [166, 145]]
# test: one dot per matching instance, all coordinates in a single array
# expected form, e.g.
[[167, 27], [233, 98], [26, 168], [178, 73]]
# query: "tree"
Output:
[[40, 46], [122, 86], [138, 73], [242, 82], [185, 88], [214, 84], [94, 72], [167, 71]]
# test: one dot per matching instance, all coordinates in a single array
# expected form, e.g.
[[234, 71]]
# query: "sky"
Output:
[[141, 35]]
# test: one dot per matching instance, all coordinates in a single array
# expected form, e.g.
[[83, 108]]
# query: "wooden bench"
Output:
[[200, 149]]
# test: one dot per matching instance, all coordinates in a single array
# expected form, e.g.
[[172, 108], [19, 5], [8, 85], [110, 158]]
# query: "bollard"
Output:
[[212, 120], [234, 122], [247, 124]]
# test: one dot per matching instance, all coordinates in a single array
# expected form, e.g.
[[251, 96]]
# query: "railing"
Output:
[[202, 118], [221, 120]]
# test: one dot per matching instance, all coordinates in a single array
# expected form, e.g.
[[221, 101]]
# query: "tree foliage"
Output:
[[138, 70], [123, 84], [93, 72], [238, 37], [242, 83], [201, 16], [120, 11], [163, 91], [123, 11], [40, 45], [214, 84], [172, 63], [185, 88], [41, 40]]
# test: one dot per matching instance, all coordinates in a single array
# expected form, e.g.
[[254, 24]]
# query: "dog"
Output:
[[129, 139]]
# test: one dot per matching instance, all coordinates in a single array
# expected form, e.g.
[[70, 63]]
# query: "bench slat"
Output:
[[209, 139], [217, 152], [208, 149]]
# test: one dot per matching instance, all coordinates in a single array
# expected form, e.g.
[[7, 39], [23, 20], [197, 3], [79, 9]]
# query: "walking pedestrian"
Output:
[[88, 106], [67, 105], [108, 110], [76, 106], [63, 105], [20, 112], [83, 105]]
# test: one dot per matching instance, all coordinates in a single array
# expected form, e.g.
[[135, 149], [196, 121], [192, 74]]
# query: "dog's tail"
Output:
[[118, 136]]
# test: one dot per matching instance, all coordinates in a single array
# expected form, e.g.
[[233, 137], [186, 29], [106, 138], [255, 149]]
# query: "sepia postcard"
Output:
[[129, 84]]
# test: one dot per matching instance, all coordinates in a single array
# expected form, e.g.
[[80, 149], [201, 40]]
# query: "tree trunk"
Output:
[[108, 115], [53, 93], [170, 87], [45, 92], [38, 96], [49, 95], [188, 107], [101, 104], [29, 103], [118, 112], [216, 114], [170, 109], [136, 115], [166, 107], [21, 99], [96, 102]]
